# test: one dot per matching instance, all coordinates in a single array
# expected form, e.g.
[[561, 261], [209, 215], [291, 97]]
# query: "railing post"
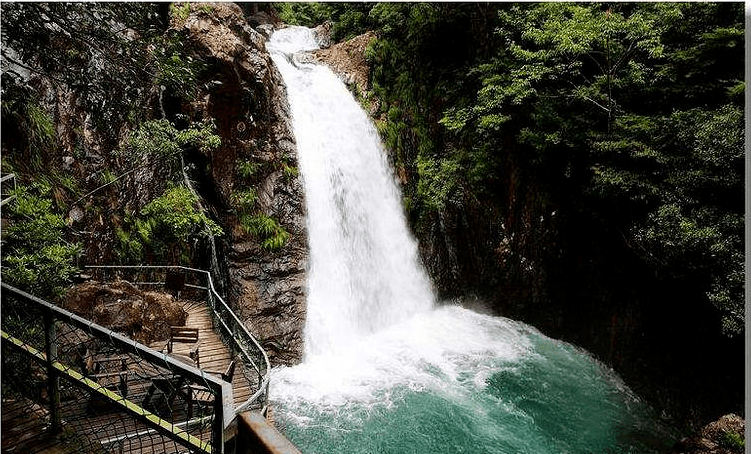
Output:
[[53, 380], [217, 429]]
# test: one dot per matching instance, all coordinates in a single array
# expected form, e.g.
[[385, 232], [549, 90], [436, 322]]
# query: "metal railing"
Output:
[[234, 333], [106, 391], [6, 192]]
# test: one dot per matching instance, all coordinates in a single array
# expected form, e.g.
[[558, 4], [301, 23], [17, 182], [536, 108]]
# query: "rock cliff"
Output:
[[245, 97]]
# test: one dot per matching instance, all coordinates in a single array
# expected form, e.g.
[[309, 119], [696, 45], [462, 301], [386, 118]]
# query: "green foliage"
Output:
[[130, 247], [733, 440], [267, 229], [36, 257], [164, 227], [156, 137], [86, 45], [176, 69], [160, 140], [176, 214], [29, 130], [309, 14], [629, 115], [107, 177], [244, 200], [247, 169], [179, 11], [289, 171], [349, 19], [41, 129], [438, 181], [272, 235], [199, 135]]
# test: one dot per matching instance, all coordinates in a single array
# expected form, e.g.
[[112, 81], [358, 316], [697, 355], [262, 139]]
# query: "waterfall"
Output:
[[364, 272], [386, 369]]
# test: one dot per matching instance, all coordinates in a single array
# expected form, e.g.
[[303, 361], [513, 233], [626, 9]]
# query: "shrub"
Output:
[[36, 257], [163, 228]]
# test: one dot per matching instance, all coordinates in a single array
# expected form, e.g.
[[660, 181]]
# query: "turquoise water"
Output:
[[422, 389]]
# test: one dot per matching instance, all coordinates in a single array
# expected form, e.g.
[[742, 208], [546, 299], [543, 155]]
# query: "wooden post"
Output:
[[53, 379]]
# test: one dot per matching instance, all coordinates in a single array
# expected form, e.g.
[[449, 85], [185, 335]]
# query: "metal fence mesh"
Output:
[[105, 394]]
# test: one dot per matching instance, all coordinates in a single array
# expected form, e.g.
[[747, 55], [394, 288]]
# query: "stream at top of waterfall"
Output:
[[387, 369]]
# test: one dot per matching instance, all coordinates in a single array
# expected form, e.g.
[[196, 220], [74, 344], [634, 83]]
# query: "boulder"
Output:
[[121, 307], [347, 59]]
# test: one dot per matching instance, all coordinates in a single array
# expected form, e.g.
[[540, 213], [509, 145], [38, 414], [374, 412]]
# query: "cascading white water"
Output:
[[364, 272], [385, 369]]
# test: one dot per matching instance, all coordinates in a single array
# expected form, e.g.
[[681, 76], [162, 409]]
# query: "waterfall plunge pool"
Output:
[[454, 381]]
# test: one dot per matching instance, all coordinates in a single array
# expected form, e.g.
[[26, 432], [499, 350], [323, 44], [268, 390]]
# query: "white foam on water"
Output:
[[448, 351]]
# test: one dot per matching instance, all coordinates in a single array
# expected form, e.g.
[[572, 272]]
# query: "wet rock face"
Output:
[[244, 95], [269, 292]]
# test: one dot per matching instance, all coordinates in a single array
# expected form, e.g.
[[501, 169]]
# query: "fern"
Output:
[[277, 240], [289, 171], [244, 200], [272, 235], [180, 11], [247, 169]]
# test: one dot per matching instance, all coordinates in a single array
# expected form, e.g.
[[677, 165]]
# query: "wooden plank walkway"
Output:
[[214, 355], [24, 424]]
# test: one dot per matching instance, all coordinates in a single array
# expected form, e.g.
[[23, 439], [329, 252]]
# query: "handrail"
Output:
[[260, 397], [3, 179], [223, 416]]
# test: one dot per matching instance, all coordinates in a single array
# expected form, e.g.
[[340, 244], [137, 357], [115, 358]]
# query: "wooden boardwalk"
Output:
[[24, 423], [214, 355]]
